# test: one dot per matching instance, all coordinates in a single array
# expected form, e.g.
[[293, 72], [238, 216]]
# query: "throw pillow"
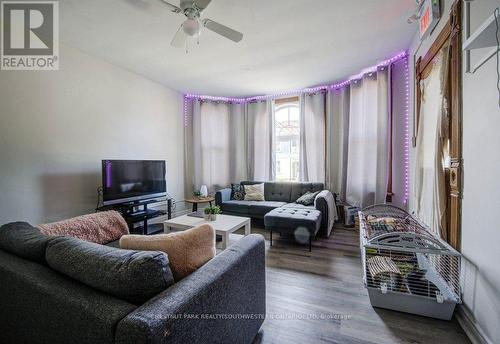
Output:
[[307, 198], [24, 240], [187, 250], [237, 192], [130, 275], [254, 192]]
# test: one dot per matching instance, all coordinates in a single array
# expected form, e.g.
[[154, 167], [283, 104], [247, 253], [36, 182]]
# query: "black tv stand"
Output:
[[133, 215]]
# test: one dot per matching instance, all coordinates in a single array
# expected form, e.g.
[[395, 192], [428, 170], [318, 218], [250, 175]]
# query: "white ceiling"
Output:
[[287, 44]]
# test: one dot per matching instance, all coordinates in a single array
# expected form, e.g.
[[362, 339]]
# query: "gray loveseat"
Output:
[[281, 195], [221, 302]]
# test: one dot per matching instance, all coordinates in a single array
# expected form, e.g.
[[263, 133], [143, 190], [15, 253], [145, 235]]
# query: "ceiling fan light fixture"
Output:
[[191, 27], [192, 10]]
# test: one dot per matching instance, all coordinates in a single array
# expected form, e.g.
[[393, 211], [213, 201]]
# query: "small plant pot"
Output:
[[207, 217], [213, 217]]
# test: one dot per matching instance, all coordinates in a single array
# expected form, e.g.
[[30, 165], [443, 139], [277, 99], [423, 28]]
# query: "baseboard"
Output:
[[470, 326]]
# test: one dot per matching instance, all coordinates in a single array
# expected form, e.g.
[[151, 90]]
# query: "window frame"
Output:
[[280, 105]]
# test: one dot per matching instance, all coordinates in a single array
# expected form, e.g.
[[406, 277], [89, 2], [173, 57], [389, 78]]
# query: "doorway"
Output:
[[447, 44]]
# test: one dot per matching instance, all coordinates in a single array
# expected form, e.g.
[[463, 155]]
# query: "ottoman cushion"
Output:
[[299, 206], [291, 218], [262, 208]]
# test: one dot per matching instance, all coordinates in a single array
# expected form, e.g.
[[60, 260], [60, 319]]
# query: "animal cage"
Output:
[[406, 268]]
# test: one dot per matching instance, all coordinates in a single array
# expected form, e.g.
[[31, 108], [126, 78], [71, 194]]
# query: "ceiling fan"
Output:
[[193, 9]]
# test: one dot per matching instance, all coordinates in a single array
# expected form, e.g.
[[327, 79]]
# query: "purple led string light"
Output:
[[185, 111], [336, 86], [407, 133], [216, 99]]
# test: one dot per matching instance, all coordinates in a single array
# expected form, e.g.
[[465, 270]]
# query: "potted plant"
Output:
[[214, 211], [210, 213], [197, 194], [207, 215]]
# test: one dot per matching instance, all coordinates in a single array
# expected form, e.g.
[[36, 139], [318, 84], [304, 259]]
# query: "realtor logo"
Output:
[[30, 35]]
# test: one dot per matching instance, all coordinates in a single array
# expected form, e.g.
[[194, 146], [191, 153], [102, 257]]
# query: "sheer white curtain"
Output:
[[430, 188], [238, 143], [211, 142], [337, 140], [261, 140], [312, 137], [215, 145], [367, 161]]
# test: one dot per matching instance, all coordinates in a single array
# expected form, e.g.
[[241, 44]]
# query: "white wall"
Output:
[[55, 127], [480, 314]]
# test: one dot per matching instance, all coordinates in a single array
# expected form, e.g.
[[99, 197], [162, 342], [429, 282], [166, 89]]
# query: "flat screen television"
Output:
[[133, 180]]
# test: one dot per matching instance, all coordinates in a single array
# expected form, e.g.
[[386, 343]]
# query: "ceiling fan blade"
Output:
[[173, 8], [223, 30], [179, 39], [202, 4]]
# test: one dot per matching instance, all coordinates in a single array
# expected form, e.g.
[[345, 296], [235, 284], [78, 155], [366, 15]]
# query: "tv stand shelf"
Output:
[[133, 215], [142, 215]]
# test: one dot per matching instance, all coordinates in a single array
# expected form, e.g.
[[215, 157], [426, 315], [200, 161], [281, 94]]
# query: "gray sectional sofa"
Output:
[[65, 290], [282, 195]]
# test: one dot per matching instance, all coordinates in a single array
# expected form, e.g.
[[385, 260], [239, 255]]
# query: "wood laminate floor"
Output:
[[328, 281]]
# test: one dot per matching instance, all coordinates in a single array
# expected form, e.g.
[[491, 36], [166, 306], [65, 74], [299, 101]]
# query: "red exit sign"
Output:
[[430, 13]]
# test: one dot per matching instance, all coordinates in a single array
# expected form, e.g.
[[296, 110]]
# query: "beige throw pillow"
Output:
[[187, 250], [254, 192]]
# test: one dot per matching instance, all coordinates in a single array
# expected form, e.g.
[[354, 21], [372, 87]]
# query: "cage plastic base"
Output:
[[413, 304]]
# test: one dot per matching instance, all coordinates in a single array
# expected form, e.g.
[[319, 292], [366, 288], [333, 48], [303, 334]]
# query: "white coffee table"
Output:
[[224, 225]]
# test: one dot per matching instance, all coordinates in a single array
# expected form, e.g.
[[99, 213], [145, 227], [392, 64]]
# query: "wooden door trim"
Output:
[[450, 33]]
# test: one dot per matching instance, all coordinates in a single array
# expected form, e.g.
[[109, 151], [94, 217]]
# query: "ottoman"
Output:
[[295, 221]]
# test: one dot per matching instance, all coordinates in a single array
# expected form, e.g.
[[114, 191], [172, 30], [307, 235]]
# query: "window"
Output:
[[287, 126]]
